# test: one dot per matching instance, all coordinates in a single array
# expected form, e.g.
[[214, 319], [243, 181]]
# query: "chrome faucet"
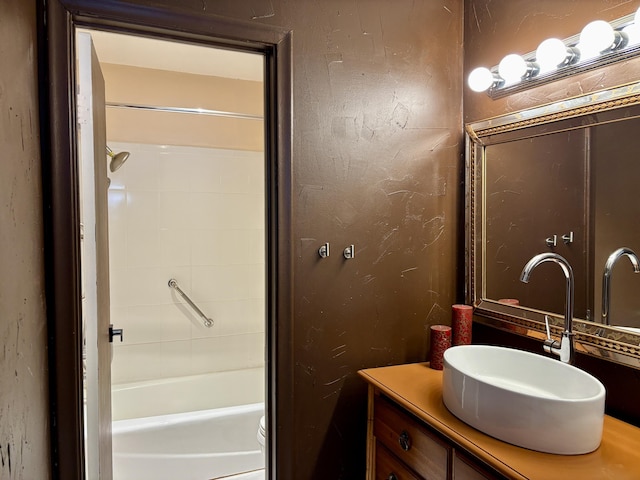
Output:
[[564, 348], [606, 279]]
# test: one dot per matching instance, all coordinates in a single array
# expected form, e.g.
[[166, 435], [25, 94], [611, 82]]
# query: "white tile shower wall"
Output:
[[197, 215]]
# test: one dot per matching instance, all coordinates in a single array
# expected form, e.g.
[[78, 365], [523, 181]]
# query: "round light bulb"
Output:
[[633, 30], [596, 37], [633, 34], [512, 68], [480, 79], [551, 54]]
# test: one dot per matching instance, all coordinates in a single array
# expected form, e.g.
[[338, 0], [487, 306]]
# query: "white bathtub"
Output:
[[188, 446], [187, 394], [196, 427]]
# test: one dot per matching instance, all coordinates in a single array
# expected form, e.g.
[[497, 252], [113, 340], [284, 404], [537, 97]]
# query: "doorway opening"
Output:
[[185, 203]]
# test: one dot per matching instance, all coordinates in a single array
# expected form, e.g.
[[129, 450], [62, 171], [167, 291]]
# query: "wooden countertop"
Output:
[[418, 389]]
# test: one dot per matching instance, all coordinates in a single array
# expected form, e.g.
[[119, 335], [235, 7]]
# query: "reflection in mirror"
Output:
[[616, 171], [559, 178], [535, 190]]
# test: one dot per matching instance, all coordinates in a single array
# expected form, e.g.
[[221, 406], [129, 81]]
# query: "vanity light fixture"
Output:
[[600, 43]]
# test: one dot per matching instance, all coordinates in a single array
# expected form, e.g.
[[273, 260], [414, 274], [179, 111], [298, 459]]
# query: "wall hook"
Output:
[[567, 238], [552, 241], [323, 251], [349, 252]]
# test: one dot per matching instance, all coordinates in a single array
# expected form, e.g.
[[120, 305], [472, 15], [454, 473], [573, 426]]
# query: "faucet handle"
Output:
[[546, 325], [549, 343]]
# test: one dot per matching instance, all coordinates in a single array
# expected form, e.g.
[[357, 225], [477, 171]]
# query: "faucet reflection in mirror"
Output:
[[606, 279], [599, 43], [565, 348]]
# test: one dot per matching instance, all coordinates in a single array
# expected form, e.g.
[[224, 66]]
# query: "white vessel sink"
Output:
[[523, 398]]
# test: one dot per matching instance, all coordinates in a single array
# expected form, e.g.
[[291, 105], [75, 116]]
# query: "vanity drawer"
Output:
[[467, 469], [388, 467], [409, 441]]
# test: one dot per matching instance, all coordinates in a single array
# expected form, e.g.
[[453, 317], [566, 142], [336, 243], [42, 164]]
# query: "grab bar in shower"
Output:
[[206, 320]]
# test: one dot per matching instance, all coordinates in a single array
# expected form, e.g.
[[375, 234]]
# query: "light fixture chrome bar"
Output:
[[500, 89], [197, 111], [597, 62], [206, 320]]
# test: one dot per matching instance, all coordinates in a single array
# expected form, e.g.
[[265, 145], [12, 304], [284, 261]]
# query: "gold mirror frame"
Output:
[[605, 106]]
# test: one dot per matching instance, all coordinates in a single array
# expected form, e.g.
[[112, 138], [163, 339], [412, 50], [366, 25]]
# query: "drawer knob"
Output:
[[392, 476], [405, 441]]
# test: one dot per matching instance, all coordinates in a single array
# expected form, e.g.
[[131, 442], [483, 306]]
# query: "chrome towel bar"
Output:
[[206, 320]]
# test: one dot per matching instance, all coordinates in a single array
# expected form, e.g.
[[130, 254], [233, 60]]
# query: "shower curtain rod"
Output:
[[198, 111]]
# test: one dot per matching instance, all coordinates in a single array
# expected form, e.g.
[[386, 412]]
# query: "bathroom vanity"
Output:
[[412, 435]]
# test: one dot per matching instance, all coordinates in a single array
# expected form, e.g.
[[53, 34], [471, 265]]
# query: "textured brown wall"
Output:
[[24, 414], [377, 142], [377, 132]]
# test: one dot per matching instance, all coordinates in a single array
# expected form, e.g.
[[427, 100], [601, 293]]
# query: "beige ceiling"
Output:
[[173, 56]]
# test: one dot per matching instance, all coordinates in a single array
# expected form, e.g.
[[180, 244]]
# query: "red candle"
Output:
[[462, 321], [440, 341]]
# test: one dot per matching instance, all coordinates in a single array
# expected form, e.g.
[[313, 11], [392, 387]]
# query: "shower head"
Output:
[[117, 159]]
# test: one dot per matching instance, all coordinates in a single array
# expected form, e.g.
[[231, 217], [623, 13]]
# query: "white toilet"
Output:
[[262, 433]]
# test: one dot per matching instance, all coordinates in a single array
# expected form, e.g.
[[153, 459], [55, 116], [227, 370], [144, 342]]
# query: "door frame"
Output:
[[57, 20]]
